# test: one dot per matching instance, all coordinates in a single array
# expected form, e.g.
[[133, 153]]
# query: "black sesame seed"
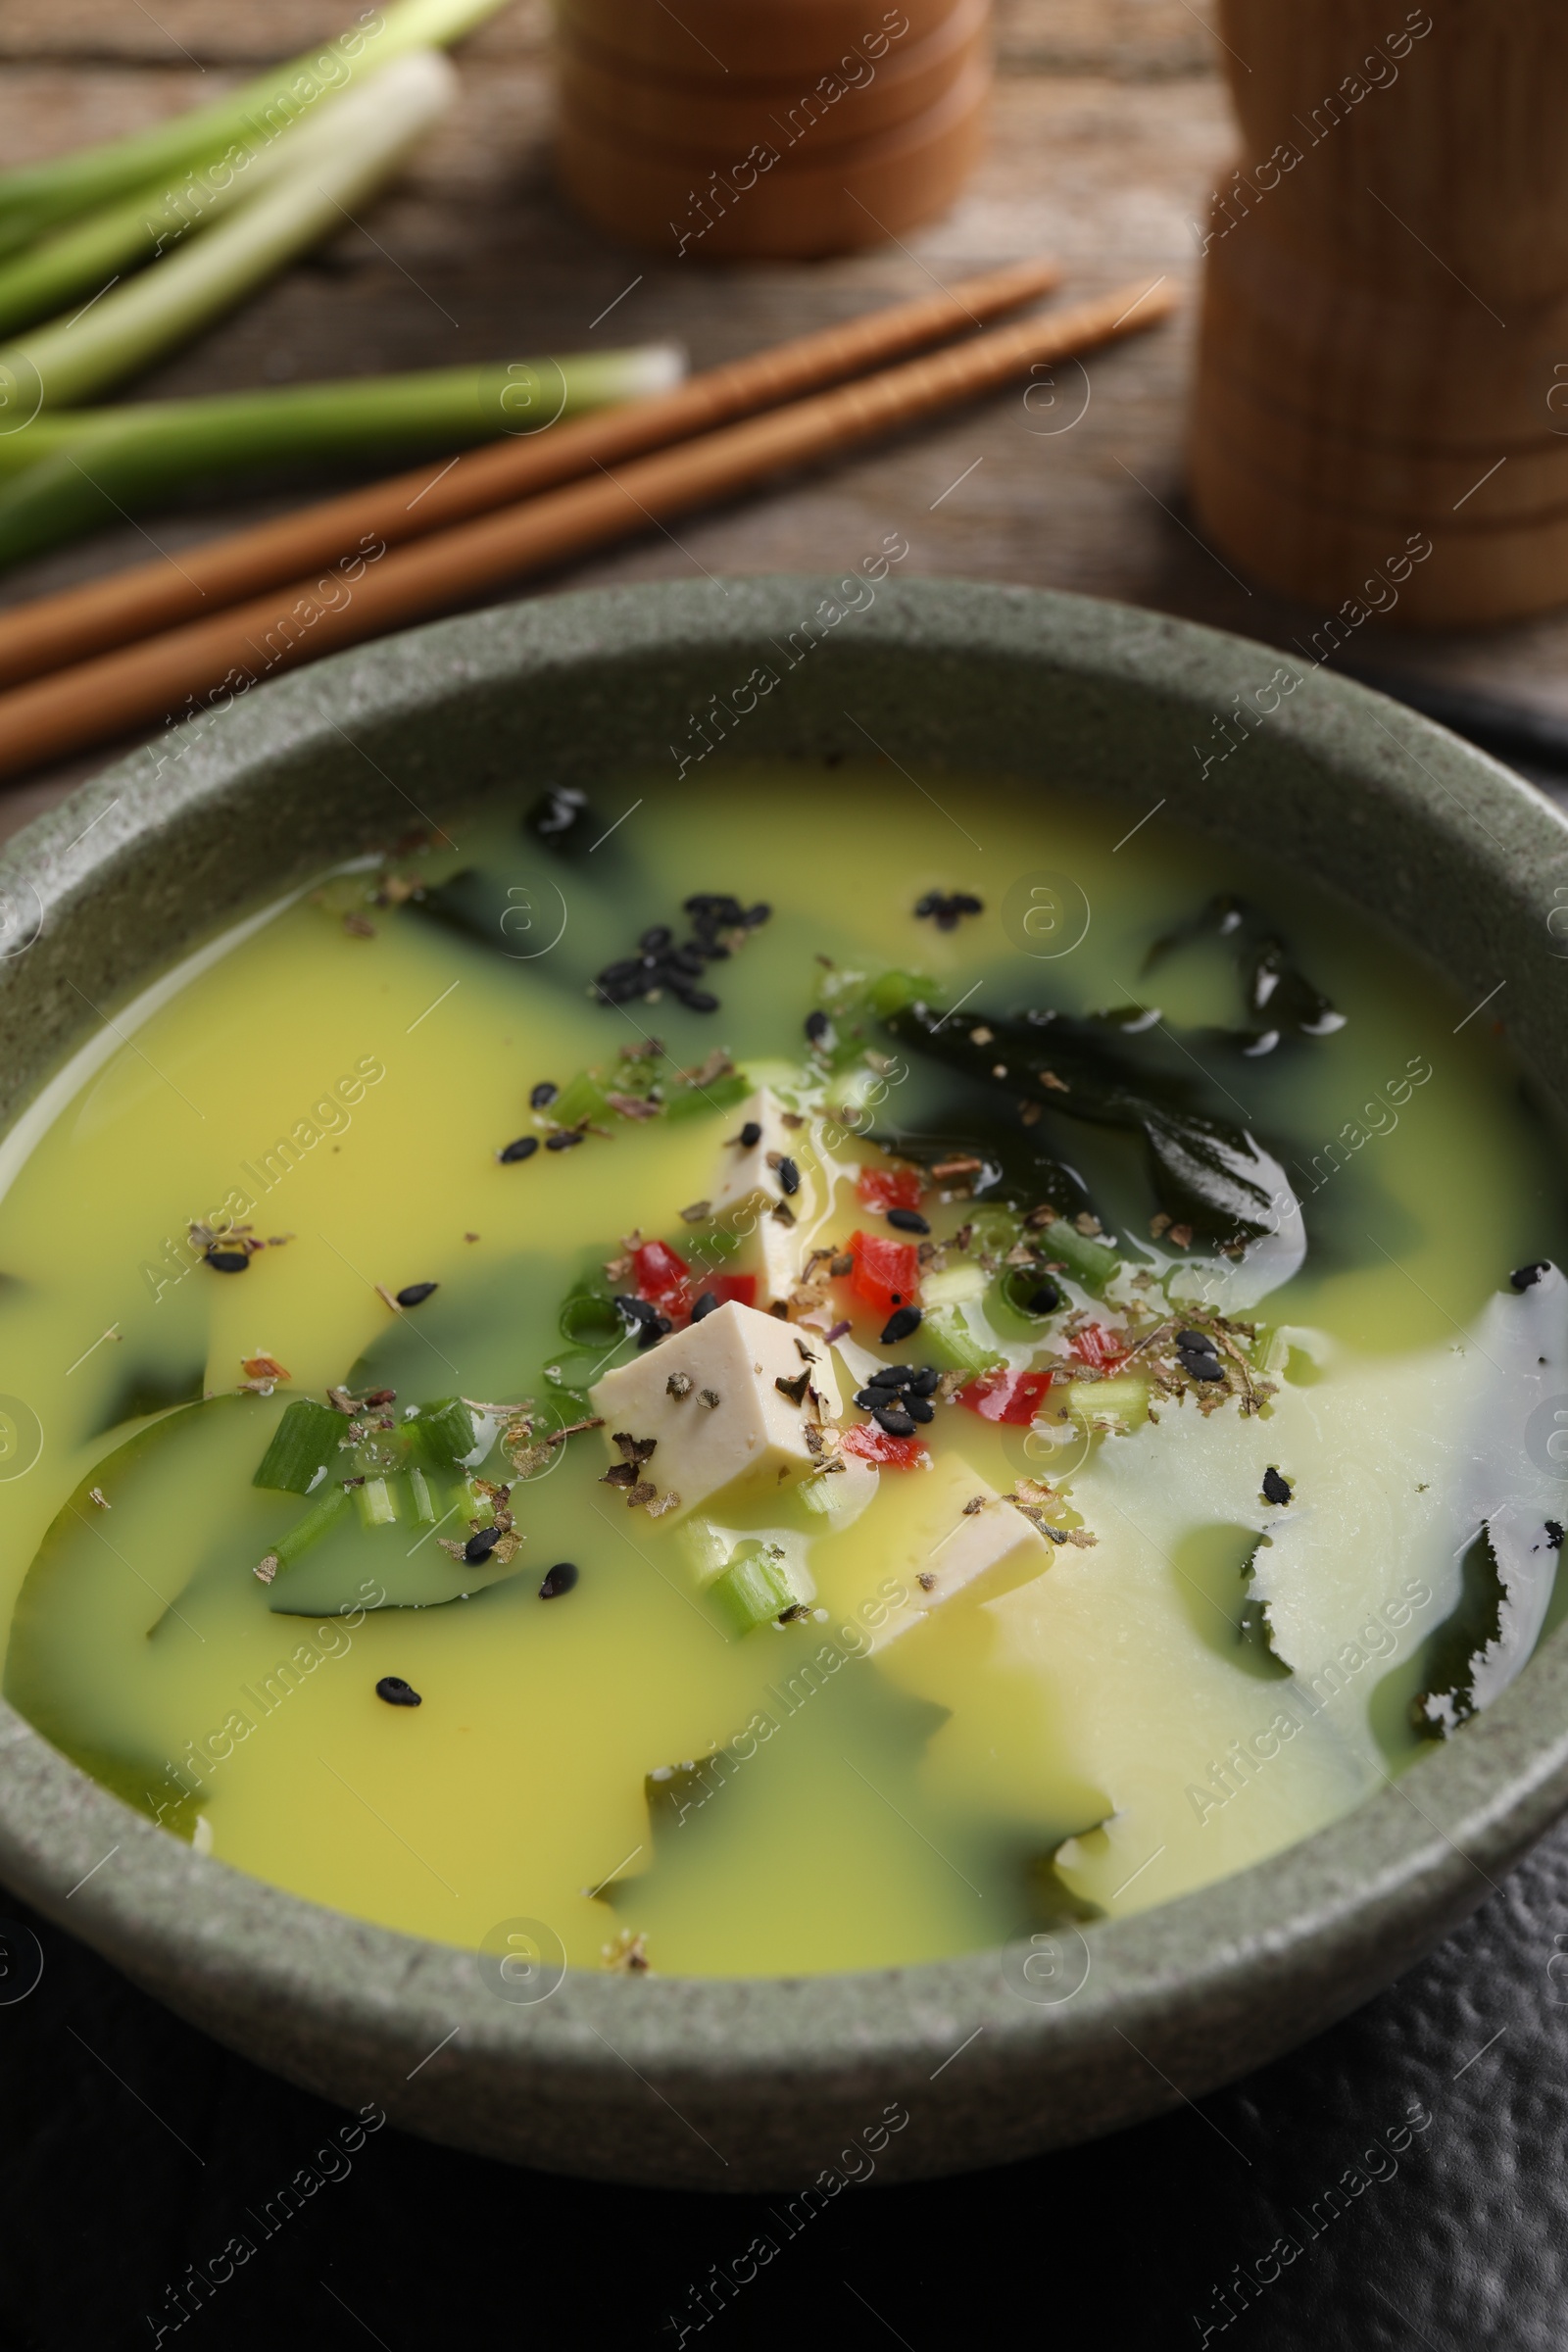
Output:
[[227, 1261], [417, 1293], [523, 1147], [397, 1693], [652, 1333], [563, 1139], [918, 1408], [698, 1000], [1044, 1301], [900, 1325], [1197, 1343], [866, 1398], [1554, 1535], [1203, 1367], [789, 1176], [560, 1578], [706, 1305], [924, 1382], [755, 916], [480, 1544], [1275, 1488], [751, 1135], [1523, 1277], [907, 1221], [818, 1029], [894, 1419], [929, 904], [545, 1091], [658, 936], [962, 903], [892, 1376], [637, 1310]]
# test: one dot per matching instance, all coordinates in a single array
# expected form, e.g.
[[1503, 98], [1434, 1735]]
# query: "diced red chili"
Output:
[[663, 1280], [1097, 1347], [725, 1287], [883, 1189], [1010, 1397], [887, 1274], [873, 1445]]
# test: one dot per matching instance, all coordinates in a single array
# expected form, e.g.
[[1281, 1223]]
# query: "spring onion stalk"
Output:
[[94, 252], [39, 197], [81, 470], [336, 163]]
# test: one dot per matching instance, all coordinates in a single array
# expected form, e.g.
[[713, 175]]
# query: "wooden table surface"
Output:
[[1109, 126]]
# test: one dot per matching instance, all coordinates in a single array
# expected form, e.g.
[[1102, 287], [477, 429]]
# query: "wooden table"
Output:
[[1110, 127]]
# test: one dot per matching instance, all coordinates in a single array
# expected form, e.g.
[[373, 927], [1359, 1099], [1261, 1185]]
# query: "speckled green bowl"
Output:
[[722, 2083]]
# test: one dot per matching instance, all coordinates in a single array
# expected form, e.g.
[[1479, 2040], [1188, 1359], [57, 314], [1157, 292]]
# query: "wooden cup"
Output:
[[1381, 410]]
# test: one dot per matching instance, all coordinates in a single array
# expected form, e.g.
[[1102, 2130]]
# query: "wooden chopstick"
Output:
[[47, 635], [98, 699]]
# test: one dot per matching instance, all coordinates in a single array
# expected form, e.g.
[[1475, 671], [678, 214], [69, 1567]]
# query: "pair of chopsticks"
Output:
[[95, 662]]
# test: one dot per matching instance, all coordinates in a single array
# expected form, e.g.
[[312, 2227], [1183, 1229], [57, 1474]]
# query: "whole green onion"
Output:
[[80, 470], [334, 162], [40, 196]]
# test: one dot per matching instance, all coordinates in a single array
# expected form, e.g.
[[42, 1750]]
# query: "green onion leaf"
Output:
[[304, 1444], [334, 163], [756, 1588], [440, 1436], [40, 196]]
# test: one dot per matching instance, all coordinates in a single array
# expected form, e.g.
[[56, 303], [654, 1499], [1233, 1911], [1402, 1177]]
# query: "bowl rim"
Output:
[[1320, 1923]]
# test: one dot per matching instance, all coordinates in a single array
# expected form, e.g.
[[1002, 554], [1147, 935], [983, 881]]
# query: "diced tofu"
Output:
[[745, 1169], [748, 1189], [751, 1439], [980, 1551]]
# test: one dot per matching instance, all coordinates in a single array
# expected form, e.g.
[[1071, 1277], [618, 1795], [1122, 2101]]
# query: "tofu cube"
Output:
[[748, 1189], [981, 1551], [751, 1439], [744, 1169]]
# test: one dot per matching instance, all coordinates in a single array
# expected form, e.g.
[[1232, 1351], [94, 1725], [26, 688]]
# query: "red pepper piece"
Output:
[[1097, 1347], [662, 1279], [883, 1189], [1010, 1397], [887, 1274], [874, 1445], [740, 1287]]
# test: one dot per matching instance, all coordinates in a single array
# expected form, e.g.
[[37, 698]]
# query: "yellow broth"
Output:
[[1056, 1748]]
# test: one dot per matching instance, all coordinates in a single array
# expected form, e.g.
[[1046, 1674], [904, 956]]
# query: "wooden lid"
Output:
[[813, 111], [858, 194]]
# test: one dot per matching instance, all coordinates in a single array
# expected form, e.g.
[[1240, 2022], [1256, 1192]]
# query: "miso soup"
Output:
[[818, 1372]]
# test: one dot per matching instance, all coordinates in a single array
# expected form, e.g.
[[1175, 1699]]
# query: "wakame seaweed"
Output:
[[1206, 1172], [1277, 993]]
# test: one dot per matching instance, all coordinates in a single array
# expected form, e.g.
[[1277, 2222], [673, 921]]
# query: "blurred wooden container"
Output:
[[1384, 355], [835, 126]]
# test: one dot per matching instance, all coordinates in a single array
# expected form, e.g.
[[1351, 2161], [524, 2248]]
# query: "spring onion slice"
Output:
[[336, 163], [40, 196], [305, 1442], [77, 470], [321, 1516]]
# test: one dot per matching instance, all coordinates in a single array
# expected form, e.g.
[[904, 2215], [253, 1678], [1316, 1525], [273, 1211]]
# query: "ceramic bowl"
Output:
[[760, 2084]]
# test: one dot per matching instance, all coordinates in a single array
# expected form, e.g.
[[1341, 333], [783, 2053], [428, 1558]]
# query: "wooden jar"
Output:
[[1383, 369], [788, 128]]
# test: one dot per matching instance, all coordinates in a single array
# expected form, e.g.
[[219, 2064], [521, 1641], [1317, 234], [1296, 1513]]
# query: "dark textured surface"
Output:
[[133, 2147]]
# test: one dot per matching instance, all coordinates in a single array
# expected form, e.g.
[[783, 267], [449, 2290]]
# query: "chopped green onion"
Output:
[[373, 1500], [1088, 1261], [423, 1510], [305, 1441], [756, 1588], [720, 1094], [947, 1339], [321, 1516], [334, 163], [40, 196], [75, 470], [440, 1436]]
